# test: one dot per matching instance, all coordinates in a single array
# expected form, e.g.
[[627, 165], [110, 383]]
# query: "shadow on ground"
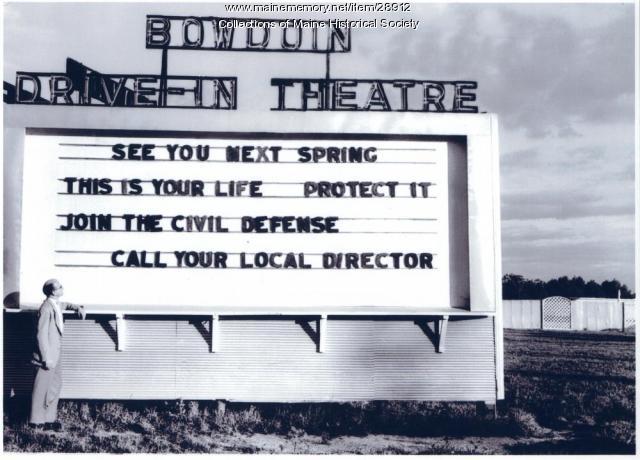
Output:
[[577, 446]]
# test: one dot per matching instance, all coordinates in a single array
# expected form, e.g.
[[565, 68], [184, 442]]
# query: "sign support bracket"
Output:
[[441, 329], [162, 97], [214, 328], [322, 334], [121, 330]]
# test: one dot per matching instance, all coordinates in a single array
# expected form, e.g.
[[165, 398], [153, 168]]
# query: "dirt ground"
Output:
[[566, 393], [550, 443]]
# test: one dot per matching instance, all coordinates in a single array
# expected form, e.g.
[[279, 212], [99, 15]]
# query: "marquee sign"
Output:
[[344, 217], [219, 219], [275, 221]]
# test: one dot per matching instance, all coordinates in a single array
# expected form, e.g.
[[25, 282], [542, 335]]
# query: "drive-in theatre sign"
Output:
[[370, 202]]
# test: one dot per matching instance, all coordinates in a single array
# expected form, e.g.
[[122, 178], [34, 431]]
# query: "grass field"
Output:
[[566, 393]]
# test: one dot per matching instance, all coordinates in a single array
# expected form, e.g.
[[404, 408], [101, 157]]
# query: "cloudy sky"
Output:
[[559, 76]]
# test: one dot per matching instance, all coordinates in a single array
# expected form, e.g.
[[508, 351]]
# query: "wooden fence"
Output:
[[591, 314]]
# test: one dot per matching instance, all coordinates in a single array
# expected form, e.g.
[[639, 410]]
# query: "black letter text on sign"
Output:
[[279, 221]]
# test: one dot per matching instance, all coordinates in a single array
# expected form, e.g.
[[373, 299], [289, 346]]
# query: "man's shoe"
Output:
[[37, 426], [53, 426]]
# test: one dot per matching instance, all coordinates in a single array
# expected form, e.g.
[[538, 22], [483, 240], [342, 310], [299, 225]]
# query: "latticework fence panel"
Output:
[[629, 314], [556, 313]]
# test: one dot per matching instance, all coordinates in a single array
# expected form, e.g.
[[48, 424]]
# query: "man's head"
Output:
[[52, 288]]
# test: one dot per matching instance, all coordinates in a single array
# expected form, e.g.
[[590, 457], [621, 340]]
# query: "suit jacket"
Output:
[[49, 334]]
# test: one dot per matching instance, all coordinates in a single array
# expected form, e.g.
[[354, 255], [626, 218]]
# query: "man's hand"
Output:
[[81, 312]]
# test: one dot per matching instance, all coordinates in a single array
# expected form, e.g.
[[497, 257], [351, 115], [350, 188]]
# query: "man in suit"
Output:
[[47, 357]]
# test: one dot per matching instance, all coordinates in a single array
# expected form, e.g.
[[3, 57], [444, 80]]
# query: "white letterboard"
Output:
[[249, 222]]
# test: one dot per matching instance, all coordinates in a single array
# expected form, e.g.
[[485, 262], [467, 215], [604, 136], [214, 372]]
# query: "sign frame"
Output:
[[479, 132]]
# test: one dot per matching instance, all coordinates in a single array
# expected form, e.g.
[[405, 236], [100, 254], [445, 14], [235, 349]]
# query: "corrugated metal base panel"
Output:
[[263, 360]]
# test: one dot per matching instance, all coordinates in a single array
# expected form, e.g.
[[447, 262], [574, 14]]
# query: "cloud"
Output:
[[564, 183], [576, 231], [567, 130], [592, 247], [539, 72], [562, 206], [568, 207]]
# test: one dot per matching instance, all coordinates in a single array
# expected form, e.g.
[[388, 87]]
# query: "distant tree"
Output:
[[610, 289], [518, 287], [593, 289], [626, 293], [512, 286], [576, 287], [536, 289]]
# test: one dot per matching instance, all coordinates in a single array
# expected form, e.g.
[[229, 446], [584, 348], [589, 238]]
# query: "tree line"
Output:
[[515, 287]]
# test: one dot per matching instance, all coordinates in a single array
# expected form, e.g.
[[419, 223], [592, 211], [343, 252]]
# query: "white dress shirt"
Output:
[[59, 320]]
